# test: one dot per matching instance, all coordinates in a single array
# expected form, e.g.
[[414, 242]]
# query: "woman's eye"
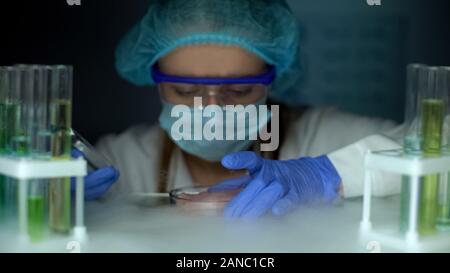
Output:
[[240, 92], [185, 92]]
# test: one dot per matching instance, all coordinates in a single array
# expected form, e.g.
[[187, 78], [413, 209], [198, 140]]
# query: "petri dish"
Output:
[[198, 198], [148, 199]]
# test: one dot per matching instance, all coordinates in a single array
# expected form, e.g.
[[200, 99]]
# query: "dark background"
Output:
[[354, 54]]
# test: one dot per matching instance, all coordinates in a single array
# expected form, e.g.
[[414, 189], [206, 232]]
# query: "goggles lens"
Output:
[[228, 94], [228, 91]]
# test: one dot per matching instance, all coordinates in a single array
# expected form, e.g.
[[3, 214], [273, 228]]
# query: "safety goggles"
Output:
[[226, 91]]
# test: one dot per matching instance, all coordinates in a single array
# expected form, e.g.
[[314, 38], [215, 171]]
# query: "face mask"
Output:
[[194, 138]]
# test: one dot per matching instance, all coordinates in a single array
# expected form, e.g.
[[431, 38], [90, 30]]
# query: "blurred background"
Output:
[[354, 55]]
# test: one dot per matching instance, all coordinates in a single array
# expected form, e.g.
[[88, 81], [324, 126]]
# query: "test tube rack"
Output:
[[24, 169], [394, 161]]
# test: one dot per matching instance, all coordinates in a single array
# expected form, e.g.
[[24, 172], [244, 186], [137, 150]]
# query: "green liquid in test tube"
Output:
[[9, 120], [432, 121], [443, 219], [10, 145], [36, 217], [3, 144], [16, 109], [9, 115], [37, 188]]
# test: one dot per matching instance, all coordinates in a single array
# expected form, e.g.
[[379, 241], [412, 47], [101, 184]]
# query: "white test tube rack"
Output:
[[394, 161], [24, 169]]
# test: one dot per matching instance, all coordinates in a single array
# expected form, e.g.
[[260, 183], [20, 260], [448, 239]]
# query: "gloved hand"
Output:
[[277, 185], [96, 183]]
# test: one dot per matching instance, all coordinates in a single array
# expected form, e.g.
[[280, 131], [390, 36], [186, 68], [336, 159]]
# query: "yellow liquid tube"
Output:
[[432, 120]]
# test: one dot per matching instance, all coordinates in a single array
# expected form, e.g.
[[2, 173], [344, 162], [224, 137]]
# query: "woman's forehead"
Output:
[[211, 61]]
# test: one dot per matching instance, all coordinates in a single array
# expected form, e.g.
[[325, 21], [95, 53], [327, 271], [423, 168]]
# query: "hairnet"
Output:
[[266, 28]]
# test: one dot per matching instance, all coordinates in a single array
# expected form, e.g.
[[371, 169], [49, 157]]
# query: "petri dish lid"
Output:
[[198, 198]]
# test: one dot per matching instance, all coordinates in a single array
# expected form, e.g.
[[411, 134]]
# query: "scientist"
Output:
[[234, 52]]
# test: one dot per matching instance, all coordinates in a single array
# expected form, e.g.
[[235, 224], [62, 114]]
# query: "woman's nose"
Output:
[[212, 100], [212, 97]]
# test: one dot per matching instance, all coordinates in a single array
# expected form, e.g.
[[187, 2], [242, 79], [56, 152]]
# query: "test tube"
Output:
[[36, 208], [433, 99], [22, 123], [41, 135], [443, 220], [412, 140], [18, 112], [6, 107], [39, 148], [94, 158], [61, 123]]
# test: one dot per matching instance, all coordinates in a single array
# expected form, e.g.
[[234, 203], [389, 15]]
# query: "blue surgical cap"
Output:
[[266, 28]]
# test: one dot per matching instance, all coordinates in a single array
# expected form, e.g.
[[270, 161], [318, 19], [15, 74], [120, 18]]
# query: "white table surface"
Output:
[[153, 227]]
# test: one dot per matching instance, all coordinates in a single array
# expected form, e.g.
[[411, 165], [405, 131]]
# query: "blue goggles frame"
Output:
[[265, 79]]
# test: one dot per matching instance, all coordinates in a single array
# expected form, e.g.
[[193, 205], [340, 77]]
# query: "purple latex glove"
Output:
[[277, 185], [96, 183]]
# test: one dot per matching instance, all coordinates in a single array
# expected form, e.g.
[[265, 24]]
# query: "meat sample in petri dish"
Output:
[[198, 198]]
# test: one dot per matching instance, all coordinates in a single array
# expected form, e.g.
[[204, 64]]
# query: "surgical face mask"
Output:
[[214, 131]]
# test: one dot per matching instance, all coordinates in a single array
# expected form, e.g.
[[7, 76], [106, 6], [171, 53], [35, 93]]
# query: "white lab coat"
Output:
[[344, 137]]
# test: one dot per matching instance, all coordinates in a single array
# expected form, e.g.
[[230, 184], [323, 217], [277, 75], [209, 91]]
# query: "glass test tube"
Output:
[[17, 112], [41, 135], [23, 91], [7, 109], [412, 140], [433, 102], [37, 200], [37, 208], [61, 123], [443, 219], [3, 98]]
